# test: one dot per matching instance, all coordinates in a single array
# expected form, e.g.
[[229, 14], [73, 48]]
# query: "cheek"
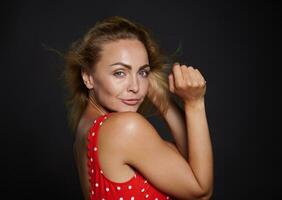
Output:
[[101, 87], [114, 87], [145, 84]]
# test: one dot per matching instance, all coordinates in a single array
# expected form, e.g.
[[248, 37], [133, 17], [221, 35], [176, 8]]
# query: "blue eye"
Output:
[[146, 72], [118, 73]]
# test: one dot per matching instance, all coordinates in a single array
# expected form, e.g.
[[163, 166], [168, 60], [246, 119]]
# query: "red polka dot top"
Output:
[[101, 188]]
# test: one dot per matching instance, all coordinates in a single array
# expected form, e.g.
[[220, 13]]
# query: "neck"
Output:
[[95, 107]]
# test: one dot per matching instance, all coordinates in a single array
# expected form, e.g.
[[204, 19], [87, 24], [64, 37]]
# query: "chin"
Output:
[[130, 109]]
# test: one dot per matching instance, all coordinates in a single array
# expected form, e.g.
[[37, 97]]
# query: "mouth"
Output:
[[131, 102]]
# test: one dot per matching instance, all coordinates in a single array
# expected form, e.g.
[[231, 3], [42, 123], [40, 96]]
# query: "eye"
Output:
[[118, 73], [145, 72]]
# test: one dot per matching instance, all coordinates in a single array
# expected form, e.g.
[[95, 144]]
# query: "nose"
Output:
[[133, 84]]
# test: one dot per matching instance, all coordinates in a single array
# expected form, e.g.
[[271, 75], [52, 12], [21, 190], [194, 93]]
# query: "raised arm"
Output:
[[189, 84], [189, 127], [200, 155]]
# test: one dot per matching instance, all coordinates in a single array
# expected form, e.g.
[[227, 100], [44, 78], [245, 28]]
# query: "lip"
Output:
[[131, 102]]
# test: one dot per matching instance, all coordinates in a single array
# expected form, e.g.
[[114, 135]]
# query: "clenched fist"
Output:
[[187, 83]]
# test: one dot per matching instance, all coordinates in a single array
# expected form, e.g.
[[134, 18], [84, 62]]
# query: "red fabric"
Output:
[[101, 188]]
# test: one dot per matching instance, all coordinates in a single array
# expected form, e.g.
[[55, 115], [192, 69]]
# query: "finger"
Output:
[[178, 77], [188, 75], [171, 82], [193, 74], [201, 79], [197, 75]]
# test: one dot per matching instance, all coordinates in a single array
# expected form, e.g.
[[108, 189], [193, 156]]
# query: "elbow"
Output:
[[200, 196], [206, 195]]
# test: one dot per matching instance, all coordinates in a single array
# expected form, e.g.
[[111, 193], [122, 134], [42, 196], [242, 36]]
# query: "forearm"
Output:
[[175, 119], [200, 155]]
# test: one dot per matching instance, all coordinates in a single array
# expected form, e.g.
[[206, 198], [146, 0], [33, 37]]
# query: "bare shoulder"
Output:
[[130, 126], [126, 126], [121, 125]]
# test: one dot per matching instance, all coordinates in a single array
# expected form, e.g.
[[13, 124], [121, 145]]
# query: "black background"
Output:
[[235, 44]]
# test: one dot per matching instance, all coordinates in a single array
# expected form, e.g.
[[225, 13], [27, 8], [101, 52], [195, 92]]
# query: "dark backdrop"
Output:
[[236, 46]]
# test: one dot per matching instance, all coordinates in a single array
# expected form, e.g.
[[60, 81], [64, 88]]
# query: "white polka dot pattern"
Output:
[[129, 186]]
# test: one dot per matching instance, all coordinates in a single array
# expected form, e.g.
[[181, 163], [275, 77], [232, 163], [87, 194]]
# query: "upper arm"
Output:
[[162, 166], [172, 146]]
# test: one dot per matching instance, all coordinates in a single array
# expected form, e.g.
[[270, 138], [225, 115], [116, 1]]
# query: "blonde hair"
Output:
[[86, 52]]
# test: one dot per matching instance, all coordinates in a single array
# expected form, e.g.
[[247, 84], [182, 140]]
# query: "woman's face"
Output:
[[121, 75]]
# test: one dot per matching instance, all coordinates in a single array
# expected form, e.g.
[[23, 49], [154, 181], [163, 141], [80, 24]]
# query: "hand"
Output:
[[187, 83]]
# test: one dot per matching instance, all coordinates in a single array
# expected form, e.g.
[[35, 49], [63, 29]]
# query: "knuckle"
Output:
[[189, 83], [203, 83], [183, 67], [198, 71]]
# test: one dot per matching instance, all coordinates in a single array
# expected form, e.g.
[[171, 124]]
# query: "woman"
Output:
[[113, 73]]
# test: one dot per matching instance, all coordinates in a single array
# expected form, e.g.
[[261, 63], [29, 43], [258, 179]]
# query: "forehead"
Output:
[[130, 50]]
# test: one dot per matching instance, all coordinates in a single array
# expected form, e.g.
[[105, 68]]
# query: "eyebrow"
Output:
[[128, 66]]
